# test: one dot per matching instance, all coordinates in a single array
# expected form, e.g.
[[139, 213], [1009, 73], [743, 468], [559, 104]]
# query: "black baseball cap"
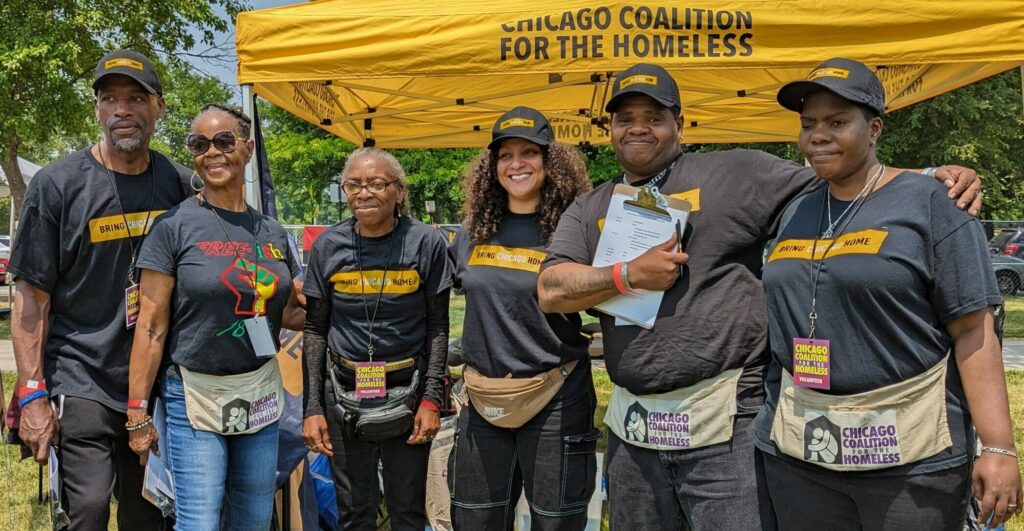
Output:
[[522, 122], [851, 80], [648, 80], [128, 63]]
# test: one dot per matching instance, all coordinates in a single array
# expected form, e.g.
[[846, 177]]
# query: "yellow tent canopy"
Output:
[[438, 73]]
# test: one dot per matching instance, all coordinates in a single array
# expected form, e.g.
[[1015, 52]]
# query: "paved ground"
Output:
[[1013, 355]]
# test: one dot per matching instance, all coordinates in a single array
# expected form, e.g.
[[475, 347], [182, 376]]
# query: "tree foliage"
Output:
[[49, 48]]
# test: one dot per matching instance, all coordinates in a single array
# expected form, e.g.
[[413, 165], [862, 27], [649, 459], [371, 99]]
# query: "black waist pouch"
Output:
[[377, 419]]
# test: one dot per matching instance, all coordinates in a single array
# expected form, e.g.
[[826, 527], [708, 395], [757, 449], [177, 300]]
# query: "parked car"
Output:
[[1008, 242], [1009, 273]]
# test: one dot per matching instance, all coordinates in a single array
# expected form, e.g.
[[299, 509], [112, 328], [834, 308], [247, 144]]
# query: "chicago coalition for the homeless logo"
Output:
[[821, 441], [635, 423], [235, 416]]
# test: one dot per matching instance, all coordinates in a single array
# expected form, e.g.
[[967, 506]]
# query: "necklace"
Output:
[[828, 201], [362, 285], [124, 217]]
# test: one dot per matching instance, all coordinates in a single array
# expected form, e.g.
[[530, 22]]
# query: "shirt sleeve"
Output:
[[438, 273], [455, 254], [37, 252], [776, 183], [962, 276], [160, 248], [570, 242], [313, 285]]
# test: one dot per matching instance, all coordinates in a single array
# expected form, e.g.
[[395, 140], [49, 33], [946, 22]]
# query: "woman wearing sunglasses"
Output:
[[216, 289], [376, 339]]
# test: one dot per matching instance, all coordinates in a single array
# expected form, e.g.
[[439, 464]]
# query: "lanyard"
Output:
[[655, 182], [362, 283], [152, 198], [239, 255], [816, 269]]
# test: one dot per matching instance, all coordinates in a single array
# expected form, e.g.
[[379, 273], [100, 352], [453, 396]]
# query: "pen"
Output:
[[679, 236]]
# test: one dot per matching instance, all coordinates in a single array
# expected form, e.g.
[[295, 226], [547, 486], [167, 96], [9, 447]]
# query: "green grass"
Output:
[[1013, 326]]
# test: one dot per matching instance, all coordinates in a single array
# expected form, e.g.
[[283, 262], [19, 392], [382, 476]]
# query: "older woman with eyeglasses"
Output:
[[216, 289], [376, 339]]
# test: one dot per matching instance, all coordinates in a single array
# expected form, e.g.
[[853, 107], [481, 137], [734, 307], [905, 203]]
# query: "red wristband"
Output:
[[138, 404], [617, 278], [26, 390], [428, 404]]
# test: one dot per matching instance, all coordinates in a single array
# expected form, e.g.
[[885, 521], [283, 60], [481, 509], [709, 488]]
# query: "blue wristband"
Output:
[[26, 400]]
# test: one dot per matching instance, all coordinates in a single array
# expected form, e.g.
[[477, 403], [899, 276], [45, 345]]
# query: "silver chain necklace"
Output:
[[828, 201]]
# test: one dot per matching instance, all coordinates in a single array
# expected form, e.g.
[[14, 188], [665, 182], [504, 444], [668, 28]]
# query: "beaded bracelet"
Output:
[[1001, 451], [28, 399], [138, 425]]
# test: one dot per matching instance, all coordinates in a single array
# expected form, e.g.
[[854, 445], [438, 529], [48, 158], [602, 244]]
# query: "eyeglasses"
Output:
[[224, 141], [375, 187]]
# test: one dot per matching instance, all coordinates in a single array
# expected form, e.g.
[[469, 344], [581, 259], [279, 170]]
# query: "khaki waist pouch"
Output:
[[235, 404], [892, 426], [511, 402], [686, 418]]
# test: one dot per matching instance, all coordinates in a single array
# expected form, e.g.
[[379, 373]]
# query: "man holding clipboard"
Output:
[[688, 387]]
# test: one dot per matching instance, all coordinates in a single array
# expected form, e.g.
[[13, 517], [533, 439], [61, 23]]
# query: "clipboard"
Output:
[[637, 219]]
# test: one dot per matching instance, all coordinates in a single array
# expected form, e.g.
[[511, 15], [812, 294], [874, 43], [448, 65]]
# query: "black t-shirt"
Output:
[[213, 291], [910, 263], [713, 318], [73, 244], [504, 331], [348, 270]]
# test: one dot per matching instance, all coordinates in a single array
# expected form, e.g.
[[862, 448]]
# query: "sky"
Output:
[[227, 69]]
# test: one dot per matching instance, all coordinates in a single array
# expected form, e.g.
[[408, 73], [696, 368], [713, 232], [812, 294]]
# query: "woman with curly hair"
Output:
[[528, 380]]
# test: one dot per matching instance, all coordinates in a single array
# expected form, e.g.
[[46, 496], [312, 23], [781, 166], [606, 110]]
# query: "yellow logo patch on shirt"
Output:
[[395, 283], [507, 257], [110, 228], [638, 79], [861, 242]]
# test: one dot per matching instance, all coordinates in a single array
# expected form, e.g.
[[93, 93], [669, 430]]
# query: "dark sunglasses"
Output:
[[224, 142]]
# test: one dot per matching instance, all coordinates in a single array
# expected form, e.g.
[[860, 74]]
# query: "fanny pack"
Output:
[[511, 402], [377, 419], [891, 426], [235, 404], [686, 418]]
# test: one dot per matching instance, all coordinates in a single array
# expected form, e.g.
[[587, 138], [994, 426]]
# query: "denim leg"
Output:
[[252, 471], [717, 485], [198, 461], [640, 493], [484, 478], [556, 452]]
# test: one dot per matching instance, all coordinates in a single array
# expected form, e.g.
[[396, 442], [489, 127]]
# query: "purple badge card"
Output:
[[811, 363]]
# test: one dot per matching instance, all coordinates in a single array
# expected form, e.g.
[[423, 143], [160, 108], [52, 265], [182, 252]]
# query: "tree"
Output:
[[304, 160], [48, 50], [186, 92], [436, 175]]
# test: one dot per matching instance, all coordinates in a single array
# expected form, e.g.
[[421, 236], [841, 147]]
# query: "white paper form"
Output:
[[628, 232]]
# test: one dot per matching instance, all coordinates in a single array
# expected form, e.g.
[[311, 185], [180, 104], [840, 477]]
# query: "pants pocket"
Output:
[[452, 460], [579, 467]]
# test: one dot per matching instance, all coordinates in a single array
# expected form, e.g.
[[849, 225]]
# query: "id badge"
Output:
[[258, 330], [371, 379], [131, 306], [812, 363]]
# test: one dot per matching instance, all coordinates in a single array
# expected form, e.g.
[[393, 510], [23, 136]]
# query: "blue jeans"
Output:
[[215, 473]]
